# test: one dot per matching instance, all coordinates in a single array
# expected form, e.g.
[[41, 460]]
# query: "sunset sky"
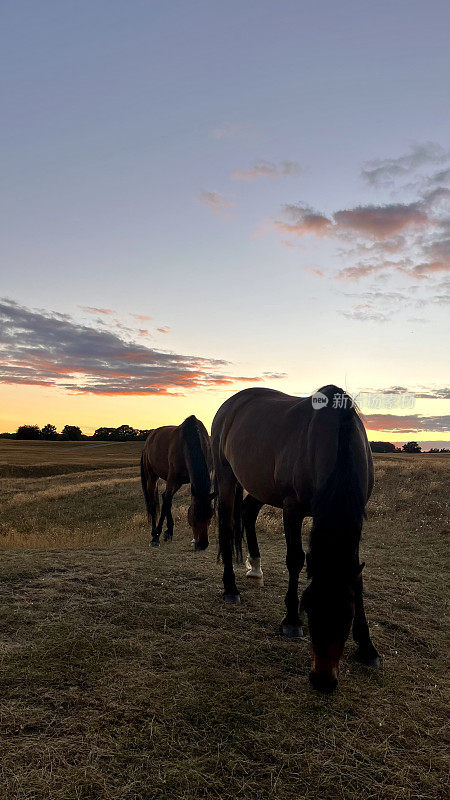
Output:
[[199, 196]]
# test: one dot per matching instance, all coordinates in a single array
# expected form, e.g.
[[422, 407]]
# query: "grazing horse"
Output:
[[178, 454], [309, 460]]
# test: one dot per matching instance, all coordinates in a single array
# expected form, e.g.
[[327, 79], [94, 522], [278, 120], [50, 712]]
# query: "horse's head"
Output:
[[200, 513], [329, 602]]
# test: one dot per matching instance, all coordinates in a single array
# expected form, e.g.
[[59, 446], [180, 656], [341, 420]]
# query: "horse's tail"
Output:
[[238, 526], [338, 506], [237, 532], [144, 484]]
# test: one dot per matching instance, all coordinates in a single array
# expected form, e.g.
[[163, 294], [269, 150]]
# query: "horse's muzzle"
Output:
[[323, 683]]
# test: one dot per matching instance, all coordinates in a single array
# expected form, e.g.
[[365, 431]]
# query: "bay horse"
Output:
[[179, 455], [309, 460]]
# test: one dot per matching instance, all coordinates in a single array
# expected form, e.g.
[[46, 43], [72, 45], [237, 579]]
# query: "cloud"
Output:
[[47, 349], [163, 329], [410, 238], [216, 203], [384, 172], [381, 222], [266, 169], [274, 376], [141, 317], [304, 221], [423, 393], [365, 316], [410, 423], [93, 310]]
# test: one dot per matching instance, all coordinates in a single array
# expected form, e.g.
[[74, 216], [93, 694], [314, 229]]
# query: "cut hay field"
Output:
[[123, 676]]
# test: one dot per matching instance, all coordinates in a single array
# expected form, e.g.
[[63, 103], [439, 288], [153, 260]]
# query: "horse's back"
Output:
[[278, 444], [257, 432]]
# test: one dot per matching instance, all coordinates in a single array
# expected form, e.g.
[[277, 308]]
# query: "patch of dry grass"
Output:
[[124, 676]]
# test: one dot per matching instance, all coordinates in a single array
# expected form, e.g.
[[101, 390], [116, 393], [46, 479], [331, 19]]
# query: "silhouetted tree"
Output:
[[28, 432], [72, 432], [124, 433], [411, 447], [382, 447], [49, 432], [142, 435], [103, 433]]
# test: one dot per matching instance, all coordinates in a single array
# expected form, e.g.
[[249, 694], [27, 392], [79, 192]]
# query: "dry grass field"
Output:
[[124, 676]]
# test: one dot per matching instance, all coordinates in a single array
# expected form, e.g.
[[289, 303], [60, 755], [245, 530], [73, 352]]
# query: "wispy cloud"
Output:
[[266, 169], [216, 203], [304, 220], [385, 171], [48, 349], [141, 317], [361, 315], [410, 423], [163, 329], [93, 310]]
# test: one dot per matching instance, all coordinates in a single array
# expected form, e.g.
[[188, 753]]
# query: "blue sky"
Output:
[[149, 153]]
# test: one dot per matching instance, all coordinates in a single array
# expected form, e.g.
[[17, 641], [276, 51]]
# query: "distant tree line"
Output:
[[72, 433], [125, 433], [408, 447]]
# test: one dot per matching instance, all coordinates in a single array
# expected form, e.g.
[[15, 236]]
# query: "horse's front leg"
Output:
[[295, 558], [365, 653]]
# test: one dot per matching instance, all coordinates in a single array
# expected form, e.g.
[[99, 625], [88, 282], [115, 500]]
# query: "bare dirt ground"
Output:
[[124, 676]]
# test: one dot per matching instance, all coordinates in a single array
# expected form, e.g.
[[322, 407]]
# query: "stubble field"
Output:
[[123, 676]]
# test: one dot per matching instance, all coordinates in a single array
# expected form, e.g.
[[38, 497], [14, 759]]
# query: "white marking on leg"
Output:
[[253, 566]]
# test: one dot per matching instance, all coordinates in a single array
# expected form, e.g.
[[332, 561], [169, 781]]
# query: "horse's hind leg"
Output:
[[250, 510], [152, 500], [172, 487], [227, 489], [366, 653], [295, 558]]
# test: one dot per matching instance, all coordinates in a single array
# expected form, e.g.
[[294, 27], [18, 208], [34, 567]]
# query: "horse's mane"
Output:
[[338, 507], [198, 469]]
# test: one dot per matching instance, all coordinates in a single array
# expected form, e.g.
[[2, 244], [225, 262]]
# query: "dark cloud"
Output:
[[47, 349]]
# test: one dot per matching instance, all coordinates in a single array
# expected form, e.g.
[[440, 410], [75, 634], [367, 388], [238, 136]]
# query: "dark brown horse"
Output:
[[178, 454], [309, 460]]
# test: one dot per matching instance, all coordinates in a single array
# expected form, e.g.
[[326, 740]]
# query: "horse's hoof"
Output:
[[234, 599], [291, 631], [369, 658], [256, 580], [154, 543], [167, 536]]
